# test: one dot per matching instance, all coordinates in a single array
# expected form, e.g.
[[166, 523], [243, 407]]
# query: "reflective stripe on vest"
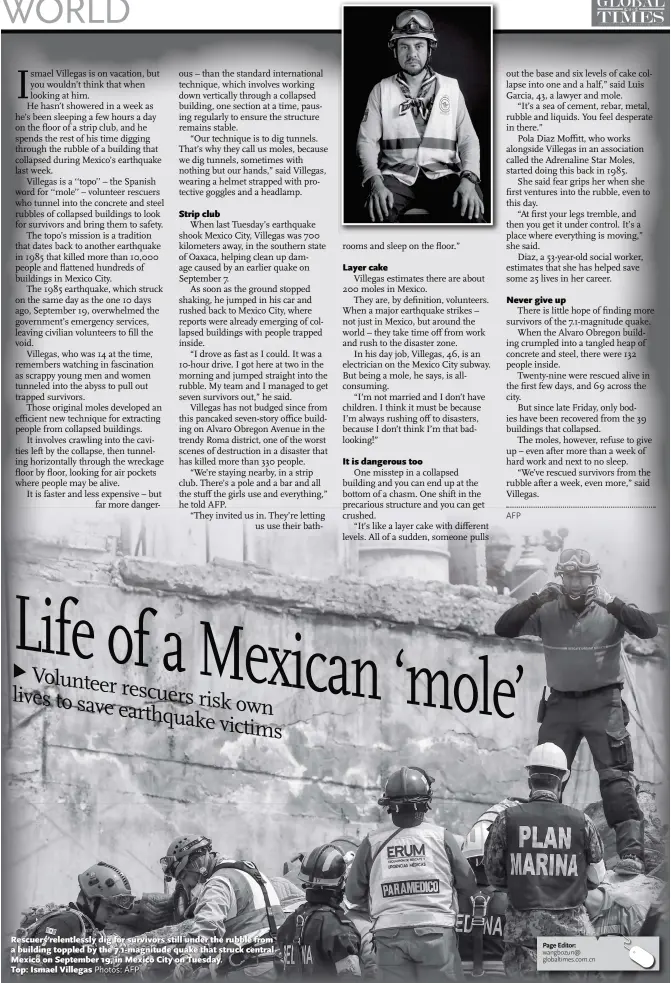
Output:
[[411, 880], [402, 150], [546, 862], [581, 652], [250, 916]]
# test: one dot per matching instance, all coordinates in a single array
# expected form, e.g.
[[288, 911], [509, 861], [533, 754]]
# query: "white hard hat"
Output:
[[474, 844], [549, 756]]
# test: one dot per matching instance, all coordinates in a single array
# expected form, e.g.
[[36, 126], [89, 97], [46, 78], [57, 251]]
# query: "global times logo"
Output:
[[630, 13]]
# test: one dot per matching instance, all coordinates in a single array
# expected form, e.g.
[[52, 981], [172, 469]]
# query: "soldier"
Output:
[[544, 853], [104, 892], [227, 899], [412, 874], [581, 627], [318, 939]]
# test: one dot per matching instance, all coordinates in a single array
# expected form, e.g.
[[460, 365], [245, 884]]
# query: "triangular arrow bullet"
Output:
[[18, 671]]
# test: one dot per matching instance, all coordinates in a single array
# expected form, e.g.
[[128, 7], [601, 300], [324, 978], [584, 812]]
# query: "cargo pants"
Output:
[[421, 954], [601, 717]]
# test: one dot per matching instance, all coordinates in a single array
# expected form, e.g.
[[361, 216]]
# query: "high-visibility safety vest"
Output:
[[258, 910], [402, 150], [546, 859], [411, 879], [582, 652]]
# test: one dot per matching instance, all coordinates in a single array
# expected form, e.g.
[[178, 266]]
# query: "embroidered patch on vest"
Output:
[[444, 105]]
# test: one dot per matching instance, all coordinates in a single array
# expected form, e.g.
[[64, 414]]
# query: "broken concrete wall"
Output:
[[87, 786]]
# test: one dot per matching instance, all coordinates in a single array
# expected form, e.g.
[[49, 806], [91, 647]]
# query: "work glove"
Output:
[[183, 972], [599, 595], [550, 592]]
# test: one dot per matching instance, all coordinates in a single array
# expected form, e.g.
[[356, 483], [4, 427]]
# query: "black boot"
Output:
[[629, 839]]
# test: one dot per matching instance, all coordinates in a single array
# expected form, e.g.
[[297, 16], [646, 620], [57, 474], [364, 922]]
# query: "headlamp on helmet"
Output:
[[412, 24]]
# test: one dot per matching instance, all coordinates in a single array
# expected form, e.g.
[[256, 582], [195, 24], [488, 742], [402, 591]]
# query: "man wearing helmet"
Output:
[[581, 627], [545, 854], [318, 939], [413, 876], [497, 551], [481, 930], [104, 892], [224, 899], [416, 143]]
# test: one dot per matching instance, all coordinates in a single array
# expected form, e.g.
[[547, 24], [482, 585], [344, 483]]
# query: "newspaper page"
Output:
[[335, 439]]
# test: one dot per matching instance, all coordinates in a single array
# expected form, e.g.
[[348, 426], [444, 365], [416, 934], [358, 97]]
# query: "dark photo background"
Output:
[[464, 52]]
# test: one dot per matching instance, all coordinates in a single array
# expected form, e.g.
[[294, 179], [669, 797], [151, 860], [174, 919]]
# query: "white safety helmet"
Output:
[[474, 844], [548, 756]]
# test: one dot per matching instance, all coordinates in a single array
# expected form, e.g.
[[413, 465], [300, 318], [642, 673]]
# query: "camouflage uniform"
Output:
[[522, 928]]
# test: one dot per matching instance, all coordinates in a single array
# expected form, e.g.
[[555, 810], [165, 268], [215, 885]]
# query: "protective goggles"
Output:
[[414, 21], [581, 557], [576, 561], [172, 869], [167, 866]]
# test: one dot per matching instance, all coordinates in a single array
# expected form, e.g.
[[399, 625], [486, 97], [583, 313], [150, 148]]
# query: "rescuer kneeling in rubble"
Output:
[[228, 901], [104, 892], [544, 853], [581, 627]]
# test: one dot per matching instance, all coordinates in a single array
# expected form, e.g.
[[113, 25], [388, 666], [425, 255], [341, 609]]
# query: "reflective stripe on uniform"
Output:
[[411, 879]]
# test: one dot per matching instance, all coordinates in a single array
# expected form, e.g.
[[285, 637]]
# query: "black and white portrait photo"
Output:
[[417, 115]]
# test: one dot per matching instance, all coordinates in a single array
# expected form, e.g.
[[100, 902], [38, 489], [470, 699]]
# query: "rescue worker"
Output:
[[103, 893], [227, 899], [318, 939], [581, 627], [620, 905], [480, 931], [359, 915], [497, 552], [545, 854], [413, 876], [416, 143]]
